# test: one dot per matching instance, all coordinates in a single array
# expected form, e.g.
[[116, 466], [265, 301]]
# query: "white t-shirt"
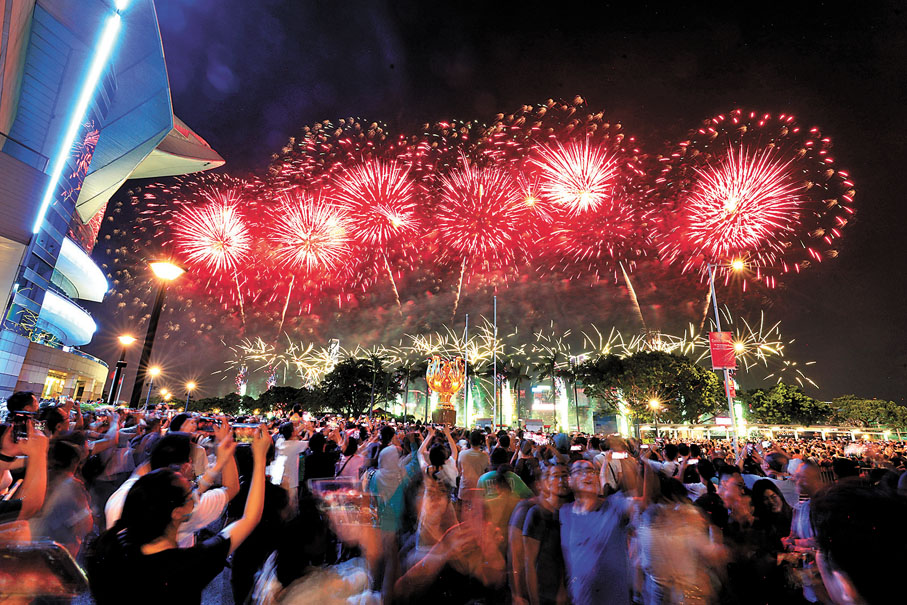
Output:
[[210, 507], [286, 462]]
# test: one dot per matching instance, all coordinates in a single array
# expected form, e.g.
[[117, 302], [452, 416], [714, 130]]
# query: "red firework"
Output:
[[745, 205], [479, 217], [213, 236], [756, 187], [310, 235], [578, 177], [381, 197]]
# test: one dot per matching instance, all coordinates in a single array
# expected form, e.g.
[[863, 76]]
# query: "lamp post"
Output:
[[153, 372], [654, 404], [166, 272], [189, 388], [574, 361], [117, 385], [736, 265]]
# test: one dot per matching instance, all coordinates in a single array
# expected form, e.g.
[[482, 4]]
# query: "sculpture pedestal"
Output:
[[444, 416]]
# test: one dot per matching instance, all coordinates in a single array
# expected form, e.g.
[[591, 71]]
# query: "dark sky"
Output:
[[246, 74]]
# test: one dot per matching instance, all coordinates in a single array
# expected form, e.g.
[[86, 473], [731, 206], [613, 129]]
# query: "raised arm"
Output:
[[240, 529], [454, 450], [34, 487]]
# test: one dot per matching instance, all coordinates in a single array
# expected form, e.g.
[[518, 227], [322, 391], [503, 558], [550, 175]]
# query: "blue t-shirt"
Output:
[[595, 552]]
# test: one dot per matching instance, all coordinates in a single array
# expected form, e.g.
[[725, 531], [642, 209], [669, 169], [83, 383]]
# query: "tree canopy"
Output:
[[784, 404], [684, 390]]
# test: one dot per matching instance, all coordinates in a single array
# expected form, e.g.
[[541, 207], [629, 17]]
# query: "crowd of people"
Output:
[[297, 509]]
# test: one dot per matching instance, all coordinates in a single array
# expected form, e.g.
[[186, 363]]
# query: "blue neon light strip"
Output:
[[98, 62]]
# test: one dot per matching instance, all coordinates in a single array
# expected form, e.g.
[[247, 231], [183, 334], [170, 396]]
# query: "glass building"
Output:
[[84, 106]]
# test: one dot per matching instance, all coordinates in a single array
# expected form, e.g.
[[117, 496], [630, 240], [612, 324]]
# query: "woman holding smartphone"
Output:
[[144, 540]]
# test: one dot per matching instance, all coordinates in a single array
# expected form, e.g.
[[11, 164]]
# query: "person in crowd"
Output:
[[351, 460], [174, 449], [436, 514], [669, 466], [146, 538], [320, 461], [472, 463], [593, 538], [862, 542], [251, 555], [801, 540], [66, 514], [527, 466], [285, 469], [31, 451], [543, 559], [23, 401], [186, 423]]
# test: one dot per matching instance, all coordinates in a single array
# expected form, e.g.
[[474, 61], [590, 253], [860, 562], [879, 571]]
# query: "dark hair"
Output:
[[670, 451], [437, 455], [476, 439], [176, 423], [695, 450], [499, 455], [672, 490], [286, 429], [683, 449], [595, 443], [706, 471], [504, 441], [352, 445], [62, 456], [851, 522], [387, 434], [172, 448], [690, 474], [19, 400], [760, 510], [52, 418], [845, 467], [146, 514], [776, 462], [316, 443]]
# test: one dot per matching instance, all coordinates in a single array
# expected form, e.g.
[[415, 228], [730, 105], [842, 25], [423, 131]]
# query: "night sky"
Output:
[[247, 74]]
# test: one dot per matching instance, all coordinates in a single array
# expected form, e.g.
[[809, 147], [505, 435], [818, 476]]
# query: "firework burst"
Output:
[[310, 235], [756, 187], [577, 177]]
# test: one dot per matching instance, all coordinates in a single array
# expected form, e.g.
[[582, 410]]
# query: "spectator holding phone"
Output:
[[174, 450], [146, 538], [29, 499]]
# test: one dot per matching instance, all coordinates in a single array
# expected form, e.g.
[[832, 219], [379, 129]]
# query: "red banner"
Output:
[[721, 345], [731, 390]]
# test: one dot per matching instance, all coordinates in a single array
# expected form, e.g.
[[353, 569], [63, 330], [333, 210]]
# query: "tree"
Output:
[[785, 404], [349, 387], [684, 390], [856, 411]]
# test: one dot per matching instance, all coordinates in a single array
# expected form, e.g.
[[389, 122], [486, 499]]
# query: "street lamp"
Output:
[[735, 265], [117, 385], [153, 372], [166, 272], [189, 387], [654, 405]]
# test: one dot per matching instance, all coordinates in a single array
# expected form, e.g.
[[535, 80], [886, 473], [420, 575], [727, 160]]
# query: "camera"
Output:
[[20, 420], [244, 433]]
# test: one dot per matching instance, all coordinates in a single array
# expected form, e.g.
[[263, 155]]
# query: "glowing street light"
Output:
[[153, 372], [165, 271], [117, 385], [655, 405], [190, 386]]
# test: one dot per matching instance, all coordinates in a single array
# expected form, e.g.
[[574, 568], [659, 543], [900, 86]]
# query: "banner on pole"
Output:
[[721, 346]]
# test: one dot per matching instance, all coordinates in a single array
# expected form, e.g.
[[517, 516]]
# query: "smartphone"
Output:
[[20, 420], [644, 446], [575, 448], [244, 433], [618, 455]]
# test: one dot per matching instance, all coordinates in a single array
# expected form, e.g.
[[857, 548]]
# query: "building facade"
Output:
[[84, 106]]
